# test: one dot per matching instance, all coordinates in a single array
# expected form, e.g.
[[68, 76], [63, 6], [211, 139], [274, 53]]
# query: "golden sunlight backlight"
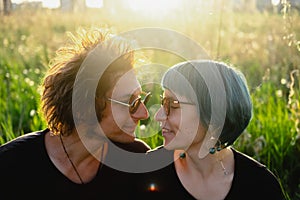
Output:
[[94, 3], [56, 3], [45, 3], [51, 3], [154, 7]]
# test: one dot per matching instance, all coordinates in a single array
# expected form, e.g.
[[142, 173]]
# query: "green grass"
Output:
[[272, 138], [263, 45]]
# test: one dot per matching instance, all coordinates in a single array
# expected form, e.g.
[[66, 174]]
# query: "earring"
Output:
[[217, 147], [212, 150], [182, 155]]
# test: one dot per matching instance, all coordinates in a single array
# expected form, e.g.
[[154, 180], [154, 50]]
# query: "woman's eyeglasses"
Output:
[[167, 103], [134, 105]]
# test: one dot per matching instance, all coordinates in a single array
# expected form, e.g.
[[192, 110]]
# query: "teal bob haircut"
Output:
[[219, 91]]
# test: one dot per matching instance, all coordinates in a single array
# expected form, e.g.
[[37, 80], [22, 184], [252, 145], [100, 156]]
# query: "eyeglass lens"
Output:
[[136, 103], [165, 102]]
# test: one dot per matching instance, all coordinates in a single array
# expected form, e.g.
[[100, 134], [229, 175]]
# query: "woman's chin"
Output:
[[168, 145]]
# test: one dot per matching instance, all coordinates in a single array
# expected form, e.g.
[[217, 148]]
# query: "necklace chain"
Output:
[[225, 172], [182, 155], [73, 165], [223, 168]]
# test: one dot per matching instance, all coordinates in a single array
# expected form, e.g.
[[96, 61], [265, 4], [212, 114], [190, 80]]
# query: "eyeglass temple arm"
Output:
[[176, 101], [189, 103], [119, 102]]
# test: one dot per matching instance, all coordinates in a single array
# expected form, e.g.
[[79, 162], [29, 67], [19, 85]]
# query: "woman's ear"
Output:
[[210, 141]]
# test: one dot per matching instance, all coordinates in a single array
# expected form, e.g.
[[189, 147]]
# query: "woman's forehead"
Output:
[[173, 95]]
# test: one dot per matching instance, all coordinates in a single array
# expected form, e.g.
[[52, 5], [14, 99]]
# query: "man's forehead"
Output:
[[127, 84]]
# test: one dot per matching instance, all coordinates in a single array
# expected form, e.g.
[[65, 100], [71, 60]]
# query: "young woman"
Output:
[[203, 112]]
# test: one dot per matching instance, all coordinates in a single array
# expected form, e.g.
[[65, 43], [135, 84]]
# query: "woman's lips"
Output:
[[165, 131]]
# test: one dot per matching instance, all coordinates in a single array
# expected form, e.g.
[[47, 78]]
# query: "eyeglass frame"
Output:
[[133, 107], [169, 99]]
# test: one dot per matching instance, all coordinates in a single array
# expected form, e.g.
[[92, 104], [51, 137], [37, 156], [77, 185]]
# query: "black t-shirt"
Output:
[[26, 172], [252, 181]]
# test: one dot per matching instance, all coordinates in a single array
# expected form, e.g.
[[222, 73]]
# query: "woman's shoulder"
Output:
[[250, 173], [242, 160], [251, 169]]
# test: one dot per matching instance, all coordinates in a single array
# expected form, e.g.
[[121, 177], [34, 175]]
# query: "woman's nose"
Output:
[[160, 115]]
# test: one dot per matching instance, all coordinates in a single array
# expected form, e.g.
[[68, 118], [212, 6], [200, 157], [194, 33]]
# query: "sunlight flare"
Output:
[[94, 3], [51, 3], [154, 7]]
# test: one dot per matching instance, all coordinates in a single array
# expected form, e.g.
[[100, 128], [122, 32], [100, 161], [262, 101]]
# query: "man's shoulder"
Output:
[[22, 141], [137, 146], [156, 149], [142, 143]]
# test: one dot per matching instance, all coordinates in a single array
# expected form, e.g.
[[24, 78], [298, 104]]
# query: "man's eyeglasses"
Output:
[[167, 103], [134, 105]]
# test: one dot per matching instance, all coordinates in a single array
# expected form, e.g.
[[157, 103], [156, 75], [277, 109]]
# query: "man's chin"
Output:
[[125, 138], [129, 139]]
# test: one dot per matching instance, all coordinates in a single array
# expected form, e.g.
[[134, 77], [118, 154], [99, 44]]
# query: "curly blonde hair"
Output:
[[58, 84]]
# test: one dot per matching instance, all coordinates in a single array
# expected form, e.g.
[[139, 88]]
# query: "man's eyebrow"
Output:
[[128, 96], [124, 97], [136, 93]]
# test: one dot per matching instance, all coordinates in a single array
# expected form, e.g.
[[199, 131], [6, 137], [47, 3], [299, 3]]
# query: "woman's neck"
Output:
[[218, 163]]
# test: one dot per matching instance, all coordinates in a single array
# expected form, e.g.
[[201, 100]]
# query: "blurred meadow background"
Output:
[[260, 37]]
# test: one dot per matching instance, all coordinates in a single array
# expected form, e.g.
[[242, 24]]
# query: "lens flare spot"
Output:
[[152, 187]]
